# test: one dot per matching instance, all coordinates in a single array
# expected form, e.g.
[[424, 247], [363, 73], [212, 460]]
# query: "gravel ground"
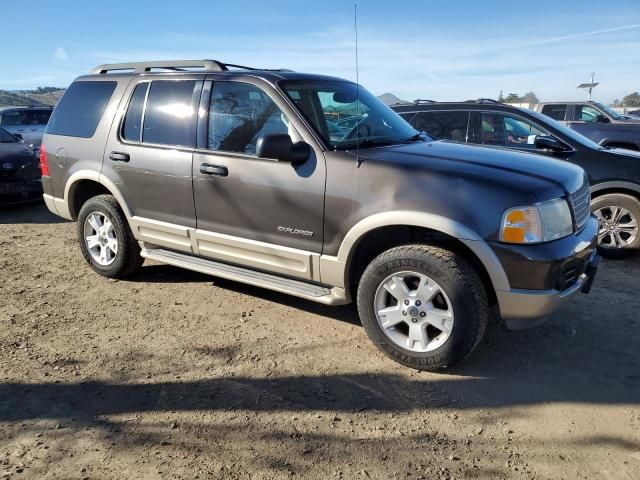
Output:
[[172, 374]]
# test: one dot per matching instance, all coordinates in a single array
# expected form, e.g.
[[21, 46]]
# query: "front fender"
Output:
[[335, 270]]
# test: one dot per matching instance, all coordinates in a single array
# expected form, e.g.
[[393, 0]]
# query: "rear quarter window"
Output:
[[80, 109], [557, 112]]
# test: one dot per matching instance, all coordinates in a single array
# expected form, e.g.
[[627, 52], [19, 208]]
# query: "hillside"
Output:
[[39, 98]]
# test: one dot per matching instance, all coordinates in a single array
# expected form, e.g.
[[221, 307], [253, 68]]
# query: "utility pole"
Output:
[[590, 86]]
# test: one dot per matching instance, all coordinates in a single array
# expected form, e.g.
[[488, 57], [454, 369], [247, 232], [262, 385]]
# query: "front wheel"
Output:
[[618, 217], [423, 306]]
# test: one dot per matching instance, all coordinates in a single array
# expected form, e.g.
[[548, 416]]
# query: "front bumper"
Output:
[[544, 277], [20, 191]]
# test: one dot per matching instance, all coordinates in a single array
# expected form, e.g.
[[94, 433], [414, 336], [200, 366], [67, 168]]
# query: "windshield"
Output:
[[6, 137], [346, 115], [611, 112], [564, 130]]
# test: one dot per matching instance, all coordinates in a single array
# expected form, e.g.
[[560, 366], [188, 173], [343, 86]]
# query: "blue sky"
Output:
[[442, 50]]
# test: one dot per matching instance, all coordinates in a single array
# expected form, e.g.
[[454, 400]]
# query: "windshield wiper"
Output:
[[418, 136]]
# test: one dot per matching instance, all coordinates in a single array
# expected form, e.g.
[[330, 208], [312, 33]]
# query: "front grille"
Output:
[[580, 201]]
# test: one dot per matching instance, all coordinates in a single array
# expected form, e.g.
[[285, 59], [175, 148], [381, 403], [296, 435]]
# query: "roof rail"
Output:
[[144, 67], [486, 100], [176, 65], [420, 101]]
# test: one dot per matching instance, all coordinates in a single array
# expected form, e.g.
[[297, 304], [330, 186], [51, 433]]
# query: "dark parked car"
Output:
[[596, 121], [235, 172], [614, 174], [19, 170]]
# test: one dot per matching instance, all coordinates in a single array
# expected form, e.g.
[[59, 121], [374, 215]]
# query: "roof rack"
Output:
[[420, 101], [486, 100], [175, 65]]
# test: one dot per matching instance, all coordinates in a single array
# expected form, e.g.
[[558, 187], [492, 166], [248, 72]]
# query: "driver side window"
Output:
[[508, 131], [239, 114], [587, 114]]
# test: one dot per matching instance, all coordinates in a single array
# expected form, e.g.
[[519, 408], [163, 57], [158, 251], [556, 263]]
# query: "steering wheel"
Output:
[[355, 131]]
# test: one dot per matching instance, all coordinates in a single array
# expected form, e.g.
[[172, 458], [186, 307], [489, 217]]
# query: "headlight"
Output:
[[537, 223]]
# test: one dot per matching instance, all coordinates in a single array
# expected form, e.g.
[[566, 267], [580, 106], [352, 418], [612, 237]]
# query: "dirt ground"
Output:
[[172, 374]]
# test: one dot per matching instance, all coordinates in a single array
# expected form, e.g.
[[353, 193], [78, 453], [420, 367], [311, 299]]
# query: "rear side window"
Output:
[[80, 109], [557, 112], [11, 119], [169, 114], [36, 117], [132, 129], [443, 125]]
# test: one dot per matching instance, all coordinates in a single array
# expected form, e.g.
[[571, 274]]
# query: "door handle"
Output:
[[119, 157], [209, 169]]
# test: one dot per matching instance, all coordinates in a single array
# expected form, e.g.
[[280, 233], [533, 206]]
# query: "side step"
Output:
[[297, 288]]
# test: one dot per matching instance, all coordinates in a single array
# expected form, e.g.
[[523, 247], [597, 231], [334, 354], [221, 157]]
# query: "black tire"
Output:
[[461, 284], [128, 259], [629, 203]]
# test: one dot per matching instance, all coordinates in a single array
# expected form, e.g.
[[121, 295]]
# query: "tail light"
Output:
[[44, 163]]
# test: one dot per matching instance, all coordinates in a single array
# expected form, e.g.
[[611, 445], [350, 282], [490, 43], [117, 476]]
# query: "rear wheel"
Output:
[[619, 227], [105, 238], [423, 306]]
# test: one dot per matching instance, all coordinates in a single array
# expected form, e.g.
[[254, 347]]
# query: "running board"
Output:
[[298, 288]]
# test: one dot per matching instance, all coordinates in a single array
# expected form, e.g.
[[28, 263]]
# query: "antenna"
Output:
[[355, 27]]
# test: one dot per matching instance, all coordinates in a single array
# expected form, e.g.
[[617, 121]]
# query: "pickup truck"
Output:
[[596, 121]]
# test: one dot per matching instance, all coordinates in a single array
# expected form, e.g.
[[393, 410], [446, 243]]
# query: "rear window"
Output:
[[557, 112], [80, 109]]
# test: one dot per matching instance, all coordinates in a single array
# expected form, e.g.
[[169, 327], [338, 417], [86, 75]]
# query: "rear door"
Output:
[[149, 154]]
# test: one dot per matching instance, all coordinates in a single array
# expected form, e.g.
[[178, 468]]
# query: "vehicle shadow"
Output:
[[34, 212]]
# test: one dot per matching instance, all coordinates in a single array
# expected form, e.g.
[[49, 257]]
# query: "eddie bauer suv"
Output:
[[249, 175]]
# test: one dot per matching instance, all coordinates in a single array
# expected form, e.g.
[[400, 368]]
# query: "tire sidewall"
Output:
[[462, 338]]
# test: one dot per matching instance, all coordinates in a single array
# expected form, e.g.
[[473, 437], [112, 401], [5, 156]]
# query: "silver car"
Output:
[[27, 122]]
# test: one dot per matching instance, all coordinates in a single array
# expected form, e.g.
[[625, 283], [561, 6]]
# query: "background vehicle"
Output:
[[19, 170], [28, 122], [595, 121], [614, 174], [258, 188]]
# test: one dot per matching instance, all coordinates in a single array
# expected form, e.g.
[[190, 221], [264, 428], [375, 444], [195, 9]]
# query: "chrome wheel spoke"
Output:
[[397, 288], [391, 316], [417, 335], [441, 319], [426, 291], [92, 241]]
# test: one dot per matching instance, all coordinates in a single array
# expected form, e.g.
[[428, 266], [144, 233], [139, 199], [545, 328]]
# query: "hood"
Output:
[[542, 177], [16, 155]]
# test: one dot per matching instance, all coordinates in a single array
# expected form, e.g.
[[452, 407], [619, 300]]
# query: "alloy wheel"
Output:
[[618, 227], [100, 238]]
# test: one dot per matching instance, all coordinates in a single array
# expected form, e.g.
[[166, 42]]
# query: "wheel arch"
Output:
[[625, 188], [85, 184], [375, 234]]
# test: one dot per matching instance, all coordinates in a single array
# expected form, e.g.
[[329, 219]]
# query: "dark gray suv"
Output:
[[309, 185]]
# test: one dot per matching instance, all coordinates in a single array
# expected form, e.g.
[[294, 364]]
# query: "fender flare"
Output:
[[335, 270], [77, 177], [616, 185]]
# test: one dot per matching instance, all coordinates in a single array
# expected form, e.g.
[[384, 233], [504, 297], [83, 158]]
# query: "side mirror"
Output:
[[602, 119], [280, 147], [547, 142], [18, 136]]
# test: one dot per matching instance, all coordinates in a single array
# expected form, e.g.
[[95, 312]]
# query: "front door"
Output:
[[253, 211]]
